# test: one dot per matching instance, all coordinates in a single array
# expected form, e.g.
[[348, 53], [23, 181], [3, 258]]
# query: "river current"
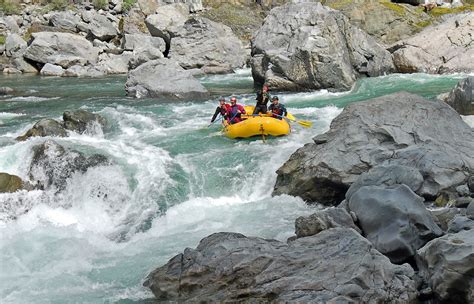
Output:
[[173, 181]]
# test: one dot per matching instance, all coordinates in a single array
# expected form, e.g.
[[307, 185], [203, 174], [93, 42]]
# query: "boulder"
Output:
[[163, 78], [52, 70], [10, 183], [167, 21], [148, 7], [396, 129], [323, 220], [207, 45], [44, 127], [470, 210], [444, 48], [62, 49], [6, 91], [66, 20], [460, 223], [80, 121], [443, 216], [52, 164], [13, 44], [307, 46], [100, 27], [114, 64], [142, 55], [83, 71], [25, 67], [395, 220], [447, 265], [335, 266], [133, 42], [388, 175], [461, 97]]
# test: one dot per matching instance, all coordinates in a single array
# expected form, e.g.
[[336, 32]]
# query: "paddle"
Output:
[[304, 123], [217, 119]]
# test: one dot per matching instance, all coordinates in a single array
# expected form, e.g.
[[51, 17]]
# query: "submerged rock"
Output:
[[396, 129], [461, 97], [447, 265], [61, 49], [307, 46], [163, 78], [6, 90], [44, 127], [53, 164], [336, 265], [80, 120], [12, 183], [445, 48], [395, 220]]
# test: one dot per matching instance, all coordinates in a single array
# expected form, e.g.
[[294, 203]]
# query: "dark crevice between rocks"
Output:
[[36, 65]]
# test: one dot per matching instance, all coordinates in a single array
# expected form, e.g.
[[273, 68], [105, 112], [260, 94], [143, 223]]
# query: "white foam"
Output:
[[31, 98]]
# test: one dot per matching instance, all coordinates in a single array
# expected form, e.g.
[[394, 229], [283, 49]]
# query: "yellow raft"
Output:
[[256, 126]]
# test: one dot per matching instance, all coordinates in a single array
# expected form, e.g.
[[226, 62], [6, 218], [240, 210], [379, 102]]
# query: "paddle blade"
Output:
[[304, 123], [290, 116]]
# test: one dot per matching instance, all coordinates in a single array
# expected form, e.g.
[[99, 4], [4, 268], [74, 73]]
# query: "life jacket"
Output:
[[233, 114], [224, 109], [278, 110]]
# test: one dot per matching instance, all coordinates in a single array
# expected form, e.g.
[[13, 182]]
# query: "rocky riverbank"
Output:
[[385, 162]]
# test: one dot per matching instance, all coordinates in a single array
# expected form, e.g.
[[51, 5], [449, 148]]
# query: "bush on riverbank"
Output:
[[9, 7]]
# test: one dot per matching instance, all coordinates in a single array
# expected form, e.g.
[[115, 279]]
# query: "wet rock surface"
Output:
[[44, 127], [461, 98]]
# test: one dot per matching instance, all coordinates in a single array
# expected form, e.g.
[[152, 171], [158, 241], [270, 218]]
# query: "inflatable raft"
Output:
[[256, 126]]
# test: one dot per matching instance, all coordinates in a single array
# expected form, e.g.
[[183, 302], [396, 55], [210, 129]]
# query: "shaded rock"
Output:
[[394, 220], [389, 175], [25, 67], [53, 164], [207, 45], [470, 210], [306, 46], [62, 49], [99, 26], [445, 48], [52, 70], [443, 216], [10, 183], [143, 55], [447, 264], [80, 121], [461, 97], [44, 127], [13, 44], [460, 223], [163, 78], [323, 220], [396, 129], [6, 90], [470, 183], [66, 21], [334, 265], [463, 202]]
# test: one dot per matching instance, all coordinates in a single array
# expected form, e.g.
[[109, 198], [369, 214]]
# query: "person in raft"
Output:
[[235, 111], [263, 97], [277, 109], [222, 109]]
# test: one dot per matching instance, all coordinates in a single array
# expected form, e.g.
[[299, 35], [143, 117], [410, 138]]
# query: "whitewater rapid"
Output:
[[172, 182]]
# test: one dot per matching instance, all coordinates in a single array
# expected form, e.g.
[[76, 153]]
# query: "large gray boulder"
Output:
[[44, 127], [52, 70], [207, 45], [99, 26], [52, 165], [444, 48], [80, 121], [67, 20], [14, 43], [461, 97], [132, 42], [447, 264], [323, 220], [395, 220], [306, 45], [114, 64], [167, 21], [62, 49], [396, 129], [335, 266], [163, 78]]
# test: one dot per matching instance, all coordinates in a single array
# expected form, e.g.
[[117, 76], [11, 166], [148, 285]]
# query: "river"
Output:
[[173, 181]]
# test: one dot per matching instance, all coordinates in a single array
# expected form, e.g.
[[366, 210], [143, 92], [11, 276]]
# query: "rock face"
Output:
[[80, 121], [461, 97], [52, 70], [394, 220], [44, 127], [163, 78], [65, 20], [167, 22], [10, 183], [447, 263], [100, 27], [13, 44], [337, 265], [323, 220], [396, 129], [53, 164], [207, 45], [308, 46], [445, 48], [61, 49]]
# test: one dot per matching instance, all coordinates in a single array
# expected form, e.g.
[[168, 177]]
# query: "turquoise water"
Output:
[[172, 182]]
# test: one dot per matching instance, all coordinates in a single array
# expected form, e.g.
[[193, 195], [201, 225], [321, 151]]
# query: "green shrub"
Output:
[[10, 7], [128, 4], [58, 5], [100, 4], [2, 39]]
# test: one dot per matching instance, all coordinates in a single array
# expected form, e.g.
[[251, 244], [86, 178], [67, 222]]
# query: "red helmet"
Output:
[[233, 99]]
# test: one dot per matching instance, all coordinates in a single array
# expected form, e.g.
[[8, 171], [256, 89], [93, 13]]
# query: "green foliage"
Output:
[[58, 5], [10, 7], [399, 9], [100, 4], [439, 11], [423, 24], [128, 4], [2, 39]]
